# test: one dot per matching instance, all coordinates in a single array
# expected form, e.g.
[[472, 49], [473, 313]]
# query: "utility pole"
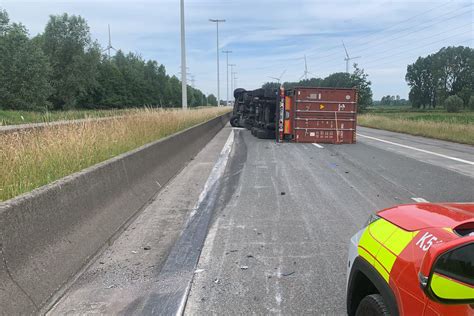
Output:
[[217, 21], [232, 80], [235, 79], [184, 87], [227, 52]]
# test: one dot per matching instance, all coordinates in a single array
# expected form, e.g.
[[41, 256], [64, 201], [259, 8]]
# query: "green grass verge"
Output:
[[456, 127], [34, 157], [11, 117]]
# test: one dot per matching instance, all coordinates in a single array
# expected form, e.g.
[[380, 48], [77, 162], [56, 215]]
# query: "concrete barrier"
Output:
[[49, 234]]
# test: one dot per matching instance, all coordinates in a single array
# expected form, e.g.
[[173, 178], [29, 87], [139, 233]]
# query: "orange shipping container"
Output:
[[321, 115]]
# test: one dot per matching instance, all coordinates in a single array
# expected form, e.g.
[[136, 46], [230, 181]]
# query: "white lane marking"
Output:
[[418, 149], [419, 200], [317, 145], [216, 172]]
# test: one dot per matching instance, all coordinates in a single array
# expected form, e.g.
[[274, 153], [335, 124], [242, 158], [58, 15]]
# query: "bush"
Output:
[[471, 103], [453, 103]]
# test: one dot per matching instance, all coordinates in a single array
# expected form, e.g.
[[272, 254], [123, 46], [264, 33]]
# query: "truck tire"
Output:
[[234, 121], [238, 92], [372, 305]]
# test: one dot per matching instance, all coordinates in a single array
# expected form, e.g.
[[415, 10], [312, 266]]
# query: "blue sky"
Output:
[[268, 37]]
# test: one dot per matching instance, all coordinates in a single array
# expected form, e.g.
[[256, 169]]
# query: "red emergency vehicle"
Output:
[[414, 260]]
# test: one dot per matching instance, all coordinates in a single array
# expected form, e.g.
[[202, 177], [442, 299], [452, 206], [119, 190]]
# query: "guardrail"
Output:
[[49, 235]]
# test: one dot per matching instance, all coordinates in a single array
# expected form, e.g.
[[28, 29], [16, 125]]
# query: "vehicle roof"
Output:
[[418, 216]]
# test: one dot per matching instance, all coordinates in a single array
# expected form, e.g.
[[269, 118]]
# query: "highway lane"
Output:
[[278, 238], [280, 243]]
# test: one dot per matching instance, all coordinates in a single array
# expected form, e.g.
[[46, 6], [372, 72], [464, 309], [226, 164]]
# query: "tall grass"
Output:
[[11, 117], [32, 158], [453, 127]]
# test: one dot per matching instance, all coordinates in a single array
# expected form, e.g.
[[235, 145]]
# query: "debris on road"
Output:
[[244, 267], [146, 248]]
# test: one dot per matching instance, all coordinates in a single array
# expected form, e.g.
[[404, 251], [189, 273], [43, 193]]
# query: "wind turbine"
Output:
[[109, 47], [348, 59], [306, 72], [278, 79]]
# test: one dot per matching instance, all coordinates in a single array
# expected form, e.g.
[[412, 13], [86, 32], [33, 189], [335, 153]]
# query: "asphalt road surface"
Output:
[[280, 227]]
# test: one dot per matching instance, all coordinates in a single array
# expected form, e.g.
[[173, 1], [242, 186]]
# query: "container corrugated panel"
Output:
[[324, 115]]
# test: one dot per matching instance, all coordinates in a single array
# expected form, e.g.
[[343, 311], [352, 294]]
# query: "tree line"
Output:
[[357, 79], [445, 78], [62, 68], [392, 100]]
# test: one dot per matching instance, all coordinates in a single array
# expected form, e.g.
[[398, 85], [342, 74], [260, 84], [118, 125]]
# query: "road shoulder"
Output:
[[120, 276]]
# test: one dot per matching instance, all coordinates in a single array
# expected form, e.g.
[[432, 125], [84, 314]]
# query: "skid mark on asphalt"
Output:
[[418, 149]]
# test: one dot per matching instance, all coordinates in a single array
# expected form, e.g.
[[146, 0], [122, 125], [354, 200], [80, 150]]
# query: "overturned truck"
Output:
[[301, 114], [256, 111]]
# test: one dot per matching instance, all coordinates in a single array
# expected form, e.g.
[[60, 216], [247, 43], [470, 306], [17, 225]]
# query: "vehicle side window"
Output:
[[458, 264]]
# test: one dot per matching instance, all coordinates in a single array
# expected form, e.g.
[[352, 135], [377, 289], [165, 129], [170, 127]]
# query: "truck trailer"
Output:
[[318, 115], [301, 114]]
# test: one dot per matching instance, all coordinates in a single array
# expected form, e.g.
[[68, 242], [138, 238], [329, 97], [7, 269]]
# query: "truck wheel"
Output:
[[372, 305], [238, 92], [234, 121]]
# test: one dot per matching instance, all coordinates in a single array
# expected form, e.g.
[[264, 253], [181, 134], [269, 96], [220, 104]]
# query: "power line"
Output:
[[391, 38], [322, 58], [435, 35], [333, 62], [424, 45], [398, 23], [411, 54], [414, 31]]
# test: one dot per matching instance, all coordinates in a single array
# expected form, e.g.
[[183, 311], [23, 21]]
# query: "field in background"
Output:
[[456, 127], [32, 158], [10, 117]]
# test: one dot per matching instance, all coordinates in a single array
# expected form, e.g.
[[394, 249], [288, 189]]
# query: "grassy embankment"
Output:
[[10, 117], [32, 158], [456, 127]]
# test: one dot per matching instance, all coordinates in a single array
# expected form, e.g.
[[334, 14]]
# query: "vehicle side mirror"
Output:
[[447, 272]]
